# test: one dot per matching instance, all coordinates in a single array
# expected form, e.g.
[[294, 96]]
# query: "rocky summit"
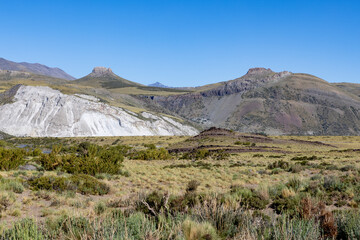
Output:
[[101, 71]]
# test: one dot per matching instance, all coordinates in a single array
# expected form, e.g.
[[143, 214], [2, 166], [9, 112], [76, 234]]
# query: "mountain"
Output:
[[45, 112], [90, 85], [35, 68], [261, 101], [105, 78], [158, 84], [269, 102]]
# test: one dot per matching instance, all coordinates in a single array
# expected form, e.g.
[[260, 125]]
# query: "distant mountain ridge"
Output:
[[35, 68], [159, 85]]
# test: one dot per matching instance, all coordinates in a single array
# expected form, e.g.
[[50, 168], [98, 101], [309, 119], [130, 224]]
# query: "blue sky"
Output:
[[188, 42]]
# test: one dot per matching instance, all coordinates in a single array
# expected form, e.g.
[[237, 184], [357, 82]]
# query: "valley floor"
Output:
[[275, 173]]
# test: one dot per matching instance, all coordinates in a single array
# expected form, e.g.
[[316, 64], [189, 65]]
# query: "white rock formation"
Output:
[[45, 112]]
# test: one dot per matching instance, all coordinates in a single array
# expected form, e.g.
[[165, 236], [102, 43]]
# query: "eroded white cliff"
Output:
[[45, 112]]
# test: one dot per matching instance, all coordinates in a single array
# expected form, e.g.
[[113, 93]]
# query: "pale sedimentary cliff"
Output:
[[42, 111]]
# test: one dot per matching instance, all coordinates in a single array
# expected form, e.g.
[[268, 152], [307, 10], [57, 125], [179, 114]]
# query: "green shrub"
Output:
[[152, 204], [6, 200], [199, 154], [192, 186], [348, 168], [250, 199], [13, 185], [305, 158], [151, 154], [245, 143], [150, 146], [258, 155], [333, 183], [81, 183], [279, 164], [286, 205], [296, 168], [220, 155], [36, 152], [11, 159], [90, 159], [100, 208]]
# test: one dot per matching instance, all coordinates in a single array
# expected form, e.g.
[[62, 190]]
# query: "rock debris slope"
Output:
[[42, 111]]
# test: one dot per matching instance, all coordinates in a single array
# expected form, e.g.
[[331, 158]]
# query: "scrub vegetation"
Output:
[[217, 185]]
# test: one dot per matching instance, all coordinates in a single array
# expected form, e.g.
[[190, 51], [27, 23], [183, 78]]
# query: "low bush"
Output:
[[333, 183], [348, 168], [6, 200], [249, 199], [152, 204], [11, 159], [90, 159], [279, 164], [202, 154], [14, 185], [286, 205], [245, 143], [296, 168], [81, 183], [99, 208], [151, 154], [305, 158]]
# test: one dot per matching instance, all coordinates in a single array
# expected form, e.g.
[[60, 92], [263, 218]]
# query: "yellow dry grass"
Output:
[[247, 169]]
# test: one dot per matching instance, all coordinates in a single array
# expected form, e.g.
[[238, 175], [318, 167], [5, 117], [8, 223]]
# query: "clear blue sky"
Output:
[[188, 42]]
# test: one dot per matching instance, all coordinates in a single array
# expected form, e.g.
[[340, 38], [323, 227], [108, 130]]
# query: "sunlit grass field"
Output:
[[316, 157]]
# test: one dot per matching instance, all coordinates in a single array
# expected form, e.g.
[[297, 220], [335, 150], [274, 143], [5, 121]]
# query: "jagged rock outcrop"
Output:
[[42, 111], [101, 71]]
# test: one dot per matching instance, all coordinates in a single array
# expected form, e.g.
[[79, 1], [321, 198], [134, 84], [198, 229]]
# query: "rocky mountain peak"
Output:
[[158, 84], [101, 71], [259, 70]]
